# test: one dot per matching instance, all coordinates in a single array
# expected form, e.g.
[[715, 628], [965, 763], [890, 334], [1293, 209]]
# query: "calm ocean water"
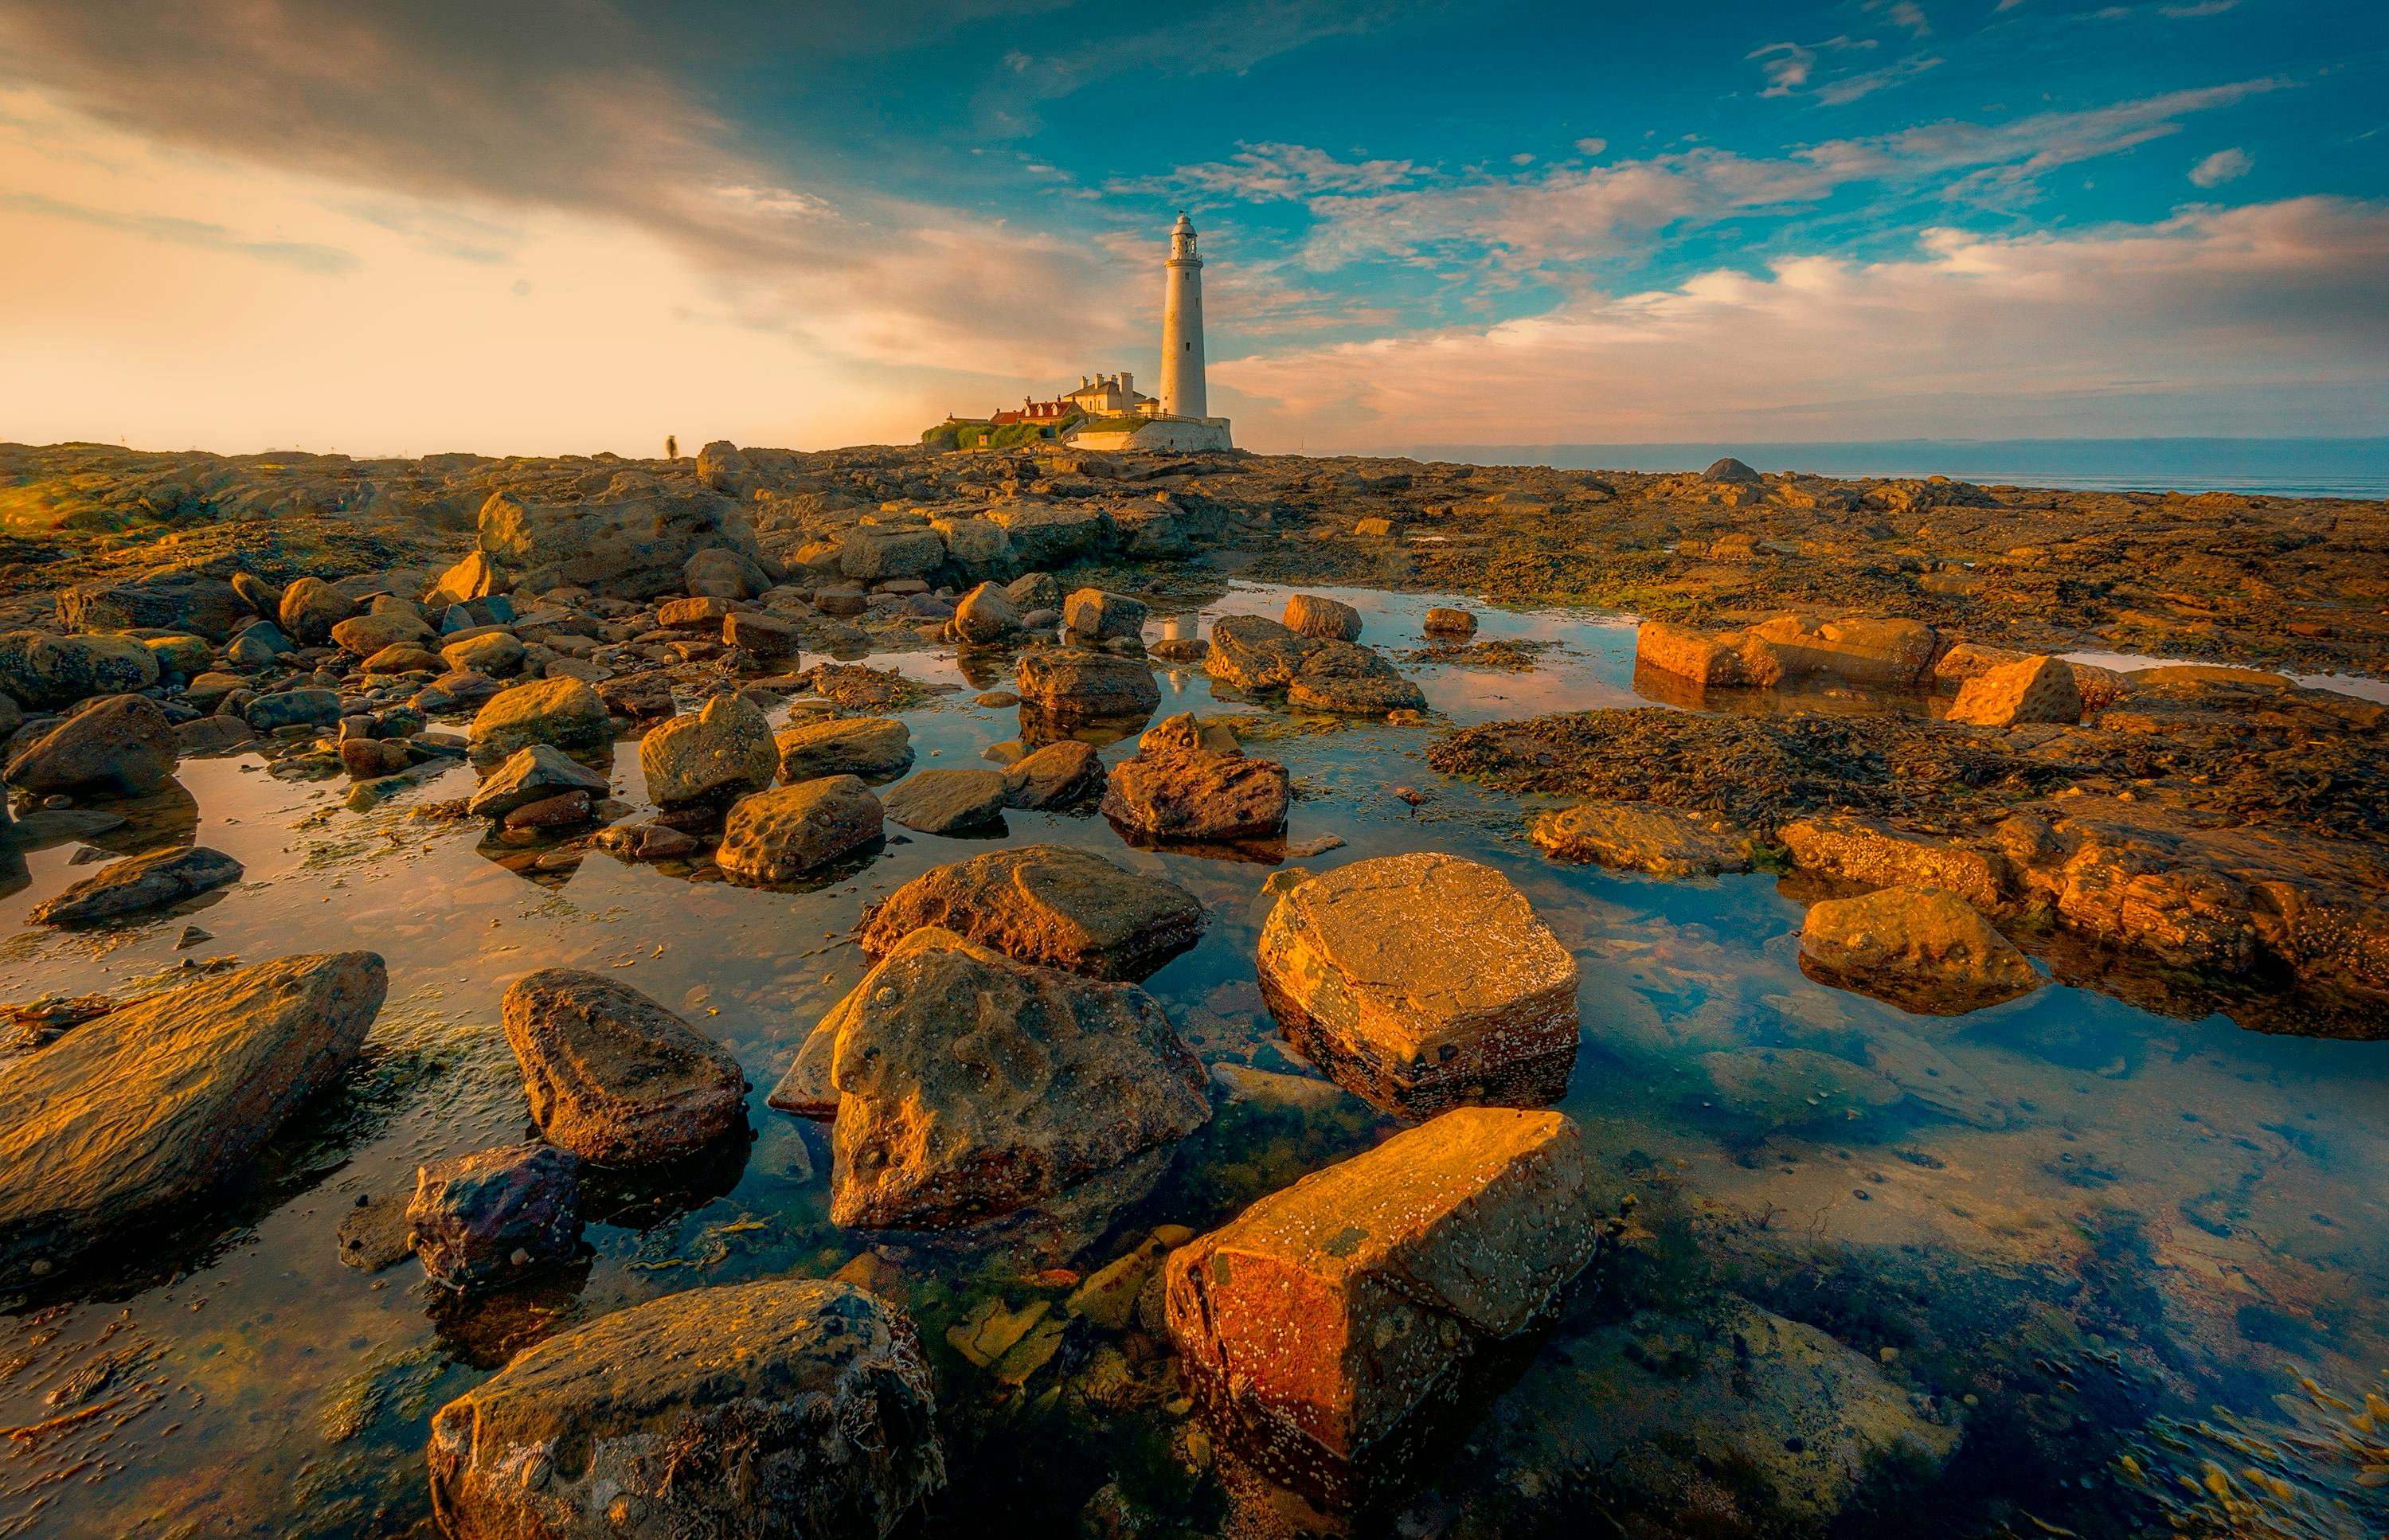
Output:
[[2285, 467]]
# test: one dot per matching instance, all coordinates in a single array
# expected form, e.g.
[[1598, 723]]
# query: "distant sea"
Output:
[[2285, 467]]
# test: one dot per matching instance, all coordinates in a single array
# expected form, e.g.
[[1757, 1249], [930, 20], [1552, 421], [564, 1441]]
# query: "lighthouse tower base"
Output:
[[1161, 435]]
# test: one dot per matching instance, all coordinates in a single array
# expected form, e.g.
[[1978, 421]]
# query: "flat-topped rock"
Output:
[[1327, 1316], [781, 834], [1922, 949], [139, 885], [2031, 690], [615, 1077], [1077, 682], [947, 801], [1643, 836], [122, 1126], [1256, 655], [871, 747], [1053, 905], [1868, 850], [971, 1086], [1421, 980], [1101, 616], [792, 1408]]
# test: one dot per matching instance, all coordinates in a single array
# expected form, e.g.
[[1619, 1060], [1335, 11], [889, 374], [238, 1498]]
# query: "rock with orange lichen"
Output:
[[1422, 981], [1329, 1325]]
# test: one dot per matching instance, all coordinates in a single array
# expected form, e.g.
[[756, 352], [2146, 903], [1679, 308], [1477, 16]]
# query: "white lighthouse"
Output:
[[1181, 327]]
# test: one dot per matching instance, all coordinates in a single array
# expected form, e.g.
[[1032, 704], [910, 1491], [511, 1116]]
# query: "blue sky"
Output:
[[1426, 223]]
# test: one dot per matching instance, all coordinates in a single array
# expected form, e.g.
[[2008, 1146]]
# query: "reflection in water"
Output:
[[2038, 1224]]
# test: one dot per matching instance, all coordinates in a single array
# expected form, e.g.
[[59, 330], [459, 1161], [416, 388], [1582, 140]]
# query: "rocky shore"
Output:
[[1857, 688]]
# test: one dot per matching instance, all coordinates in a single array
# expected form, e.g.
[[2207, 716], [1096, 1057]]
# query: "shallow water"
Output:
[[2210, 1203]]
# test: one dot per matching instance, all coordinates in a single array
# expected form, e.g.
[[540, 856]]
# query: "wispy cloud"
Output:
[[324, 261], [2224, 165], [2273, 317]]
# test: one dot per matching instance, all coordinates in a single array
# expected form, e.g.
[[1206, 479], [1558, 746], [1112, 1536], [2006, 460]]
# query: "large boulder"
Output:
[[874, 551], [1895, 654], [634, 545], [476, 576], [495, 1216], [565, 712], [1196, 795], [613, 1077], [1643, 836], [723, 467], [723, 751], [1053, 905], [1079, 683], [176, 600], [1329, 619], [1421, 981], [495, 652], [1256, 655], [978, 546], [139, 885], [947, 801], [128, 1121], [123, 746], [1043, 535], [533, 774], [971, 1086], [2032, 690], [781, 834], [1922, 949], [757, 1411], [1322, 1319], [44, 672], [311, 607], [871, 747], [723, 573]]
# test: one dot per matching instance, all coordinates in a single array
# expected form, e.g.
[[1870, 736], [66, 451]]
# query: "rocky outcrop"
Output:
[[2033, 690], [1053, 905], [1186, 794], [1077, 683], [119, 747], [129, 1121], [495, 1216], [1329, 619], [138, 886], [947, 801], [633, 543], [48, 673], [1256, 655], [796, 1407], [1882, 855], [1922, 949], [1421, 980], [872, 747], [970, 1085], [613, 1077], [564, 712], [780, 835], [723, 751], [1330, 1324], [1789, 649], [1643, 836], [533, 774], [173, 600]]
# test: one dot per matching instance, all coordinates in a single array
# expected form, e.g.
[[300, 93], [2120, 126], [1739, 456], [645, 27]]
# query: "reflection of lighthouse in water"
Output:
[[1182, 327]]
